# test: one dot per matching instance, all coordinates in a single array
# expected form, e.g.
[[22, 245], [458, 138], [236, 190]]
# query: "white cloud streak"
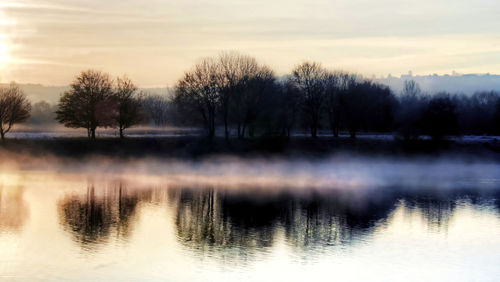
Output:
[[155, 41]]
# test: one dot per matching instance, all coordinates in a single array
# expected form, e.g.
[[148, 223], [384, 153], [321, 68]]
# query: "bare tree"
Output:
[[250, 100], [410, 110], [14, 108], [199, 90], [89, 103], [440, 117], [156, 109], [334, 83], [411, 88], [235, 72], [230, 84], [309, 79], [496, 118], [289, 103], [129, 105]]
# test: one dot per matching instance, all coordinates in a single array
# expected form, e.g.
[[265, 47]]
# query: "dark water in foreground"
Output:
[[60, 227]]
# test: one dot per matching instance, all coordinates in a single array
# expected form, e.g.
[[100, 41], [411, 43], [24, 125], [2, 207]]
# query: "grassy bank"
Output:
[[199, 147]]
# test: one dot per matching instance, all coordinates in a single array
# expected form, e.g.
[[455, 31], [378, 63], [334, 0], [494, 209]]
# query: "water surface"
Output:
[[60, 226]]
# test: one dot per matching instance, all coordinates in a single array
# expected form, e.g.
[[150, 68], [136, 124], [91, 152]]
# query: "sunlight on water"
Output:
[[57, 226]]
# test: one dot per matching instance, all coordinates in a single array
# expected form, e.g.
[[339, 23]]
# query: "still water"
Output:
[[61, 226]]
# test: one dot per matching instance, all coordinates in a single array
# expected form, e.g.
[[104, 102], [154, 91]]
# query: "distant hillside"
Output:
[[466, 83], [38, 92]]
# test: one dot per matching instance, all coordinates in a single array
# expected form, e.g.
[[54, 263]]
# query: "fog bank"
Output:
[[335, 172]]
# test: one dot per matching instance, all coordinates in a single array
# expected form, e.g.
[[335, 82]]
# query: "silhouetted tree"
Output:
[[380, 105], [129, 105], [332, 91], [337, 85], [410, 110], [440, 117], [476, 113], [309, 79], [352, 105], [199, 91], [365, 105], [89, 103], [289, 104], [496, 119], [235, 72], [156, 109], [14, 108], [251, 100], [232, 84]]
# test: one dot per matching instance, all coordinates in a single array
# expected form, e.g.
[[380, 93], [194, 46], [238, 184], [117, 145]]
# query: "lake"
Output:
[[230, 220]]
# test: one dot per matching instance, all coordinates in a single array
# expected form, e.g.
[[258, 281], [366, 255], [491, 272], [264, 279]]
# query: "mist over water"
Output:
[[226, 219], [340, 171]]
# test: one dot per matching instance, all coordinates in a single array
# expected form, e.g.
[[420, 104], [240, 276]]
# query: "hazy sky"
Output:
[[155, 41]]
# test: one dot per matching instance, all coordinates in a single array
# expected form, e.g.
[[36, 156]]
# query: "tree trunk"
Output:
[[121, 133], [314, 131], [211, 124], [93, 133], [4, 131], [211, 127], [335, 131], [352, 133], [314, 126], [226, 117], [243, 132], [226, 131]]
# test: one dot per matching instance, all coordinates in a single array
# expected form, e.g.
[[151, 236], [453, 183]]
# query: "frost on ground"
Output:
[[159, 133]]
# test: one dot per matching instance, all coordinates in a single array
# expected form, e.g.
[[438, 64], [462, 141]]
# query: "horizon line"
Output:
[[368, 77]]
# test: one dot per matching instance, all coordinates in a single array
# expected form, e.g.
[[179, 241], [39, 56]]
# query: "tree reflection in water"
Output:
[[222, 223], [221, 220], [437, 208], [13, 209], [237, 223], [99, 213]]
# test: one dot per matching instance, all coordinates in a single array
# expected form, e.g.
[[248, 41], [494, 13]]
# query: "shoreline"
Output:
[[199, 147]]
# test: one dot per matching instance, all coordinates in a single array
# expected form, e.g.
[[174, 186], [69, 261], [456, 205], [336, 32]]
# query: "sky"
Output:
[[155, 41]]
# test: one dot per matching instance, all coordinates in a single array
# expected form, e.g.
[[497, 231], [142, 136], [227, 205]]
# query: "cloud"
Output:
[[155, 41]]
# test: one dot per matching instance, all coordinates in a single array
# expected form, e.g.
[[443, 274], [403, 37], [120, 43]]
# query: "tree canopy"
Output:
[[89, 103], [14, 108]]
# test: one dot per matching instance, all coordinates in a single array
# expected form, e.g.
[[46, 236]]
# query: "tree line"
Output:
[[94, 100], [235, 91], [233, 94]]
